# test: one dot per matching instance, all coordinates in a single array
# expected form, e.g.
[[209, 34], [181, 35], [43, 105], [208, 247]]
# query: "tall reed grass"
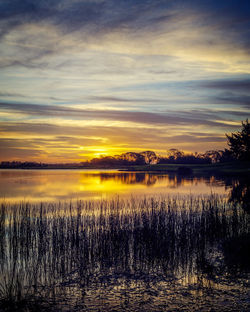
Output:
[[49, 250]]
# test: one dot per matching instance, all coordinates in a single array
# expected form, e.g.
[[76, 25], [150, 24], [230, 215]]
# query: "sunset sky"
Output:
[[84, 78]]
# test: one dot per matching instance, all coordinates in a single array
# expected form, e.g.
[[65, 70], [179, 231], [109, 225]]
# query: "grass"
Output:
[[51, 251]]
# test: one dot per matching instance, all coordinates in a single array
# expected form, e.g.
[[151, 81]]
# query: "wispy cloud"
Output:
[[171, 117], [242, 85]]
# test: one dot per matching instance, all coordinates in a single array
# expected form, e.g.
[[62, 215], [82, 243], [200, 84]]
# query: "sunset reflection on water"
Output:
[[55, 185]]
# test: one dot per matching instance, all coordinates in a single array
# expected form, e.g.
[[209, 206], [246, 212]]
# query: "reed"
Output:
[[50, 250]]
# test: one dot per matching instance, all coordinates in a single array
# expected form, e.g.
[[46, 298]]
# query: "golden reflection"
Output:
[[55, 185]]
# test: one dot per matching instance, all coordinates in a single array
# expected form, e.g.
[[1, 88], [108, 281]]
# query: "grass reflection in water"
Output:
[[139, 254]]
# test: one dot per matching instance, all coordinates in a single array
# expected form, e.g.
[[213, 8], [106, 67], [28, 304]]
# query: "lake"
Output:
[[107, 240], [55, 185]]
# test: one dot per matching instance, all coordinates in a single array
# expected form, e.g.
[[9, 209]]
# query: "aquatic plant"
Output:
[[50, 250]]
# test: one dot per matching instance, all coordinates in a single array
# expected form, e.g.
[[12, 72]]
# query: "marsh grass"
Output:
[[54, 253]]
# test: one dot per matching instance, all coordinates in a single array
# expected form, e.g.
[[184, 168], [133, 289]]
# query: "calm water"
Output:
[[54, 185], [179, 244]]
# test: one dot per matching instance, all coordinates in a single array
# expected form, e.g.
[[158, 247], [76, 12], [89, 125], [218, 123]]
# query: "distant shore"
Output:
[[227, 168]]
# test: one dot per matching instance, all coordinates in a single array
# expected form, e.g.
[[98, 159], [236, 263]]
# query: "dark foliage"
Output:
[[239, 142]]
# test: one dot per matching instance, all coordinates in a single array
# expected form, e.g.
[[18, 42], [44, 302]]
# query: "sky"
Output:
[[81, 79]]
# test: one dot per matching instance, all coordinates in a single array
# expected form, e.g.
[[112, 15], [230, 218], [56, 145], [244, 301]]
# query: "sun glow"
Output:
[[99, 152]]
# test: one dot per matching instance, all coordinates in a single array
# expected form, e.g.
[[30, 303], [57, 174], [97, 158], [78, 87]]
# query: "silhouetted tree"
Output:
[[174, 153], [174, 156], [226, 156], [214, 155], [239, 142]]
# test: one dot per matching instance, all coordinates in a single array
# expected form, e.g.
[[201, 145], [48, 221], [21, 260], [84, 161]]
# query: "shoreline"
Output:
[[230, 168]]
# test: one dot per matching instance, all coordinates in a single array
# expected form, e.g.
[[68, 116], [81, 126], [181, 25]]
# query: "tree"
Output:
[[213, 155], [239, 142], [174, 153]]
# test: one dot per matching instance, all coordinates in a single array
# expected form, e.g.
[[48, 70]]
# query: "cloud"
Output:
[[117, 99], [235, 100], [168, 118], [233, 92], [195, 139], [22, 154], [241, 85], [172, 27], [10, 94]]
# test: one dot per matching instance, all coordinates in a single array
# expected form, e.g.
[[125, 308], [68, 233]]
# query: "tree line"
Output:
[[238, 149]]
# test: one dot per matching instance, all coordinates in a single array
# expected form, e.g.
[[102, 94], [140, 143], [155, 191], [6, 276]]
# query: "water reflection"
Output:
[[54, 185], [240, 192]]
